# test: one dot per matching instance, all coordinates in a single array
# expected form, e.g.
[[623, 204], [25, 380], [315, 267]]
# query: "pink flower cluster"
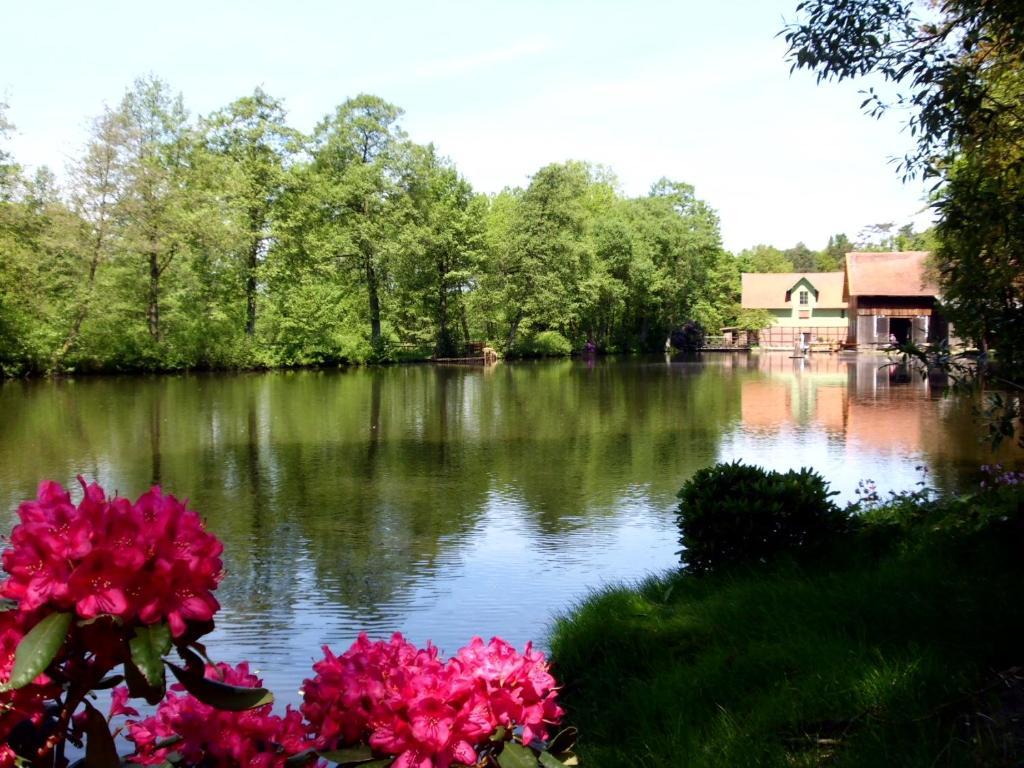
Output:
[[24, 704], [406, 702], [147, 561], [254, 738]]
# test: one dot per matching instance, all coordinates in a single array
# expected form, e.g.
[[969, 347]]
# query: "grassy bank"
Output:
[[886, 650]]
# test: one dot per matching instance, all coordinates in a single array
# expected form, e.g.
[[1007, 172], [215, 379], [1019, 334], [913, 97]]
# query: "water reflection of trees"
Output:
[[369, 474], [368, 480]]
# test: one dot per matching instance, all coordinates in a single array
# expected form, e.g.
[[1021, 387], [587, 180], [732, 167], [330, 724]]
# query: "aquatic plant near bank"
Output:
[[101, 592]]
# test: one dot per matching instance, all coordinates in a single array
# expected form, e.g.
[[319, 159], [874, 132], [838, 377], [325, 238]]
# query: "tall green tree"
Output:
[[252, 134], [833, 257], [440, 249], [764, 258], [98, 182], [355, 154], [802, 258], [538, 282], [153, 204]]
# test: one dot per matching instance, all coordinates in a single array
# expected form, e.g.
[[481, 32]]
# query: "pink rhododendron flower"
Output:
[[213, 737], [405, 702], [119, 704], [144, 562]]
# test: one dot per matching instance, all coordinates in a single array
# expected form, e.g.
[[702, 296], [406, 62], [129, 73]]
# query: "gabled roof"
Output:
[[889, 273], [768, 290]]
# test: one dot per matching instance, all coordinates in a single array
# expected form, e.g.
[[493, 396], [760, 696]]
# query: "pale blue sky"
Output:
[[697, 92]]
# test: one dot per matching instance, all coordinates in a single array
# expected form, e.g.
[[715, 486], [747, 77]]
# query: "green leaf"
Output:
[[499, 734], [354, 756], [300, 758], [550, 761], [564, 740], [168, 741], [148, 647], [232, 698], [517, 756], [100, 751], [37, 649], [110, 681], [139, 687], [347, 755]]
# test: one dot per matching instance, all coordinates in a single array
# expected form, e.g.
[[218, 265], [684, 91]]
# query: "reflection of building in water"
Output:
[[860, 401], [796, 391]]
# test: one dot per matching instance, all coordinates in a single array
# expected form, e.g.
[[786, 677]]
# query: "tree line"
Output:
[[235, 240]]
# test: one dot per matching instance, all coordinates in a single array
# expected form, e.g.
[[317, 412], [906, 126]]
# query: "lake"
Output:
[[444, 502]]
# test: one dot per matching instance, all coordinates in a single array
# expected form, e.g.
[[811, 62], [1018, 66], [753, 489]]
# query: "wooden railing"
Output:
[[722, 342]]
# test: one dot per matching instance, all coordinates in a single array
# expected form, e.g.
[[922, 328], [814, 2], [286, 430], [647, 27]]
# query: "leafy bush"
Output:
[[732, 514], [995, 507], [544, 344]]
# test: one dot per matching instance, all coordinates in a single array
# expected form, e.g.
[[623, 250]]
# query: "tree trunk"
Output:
[[464, 320], [250, 287], [374, 301], [97, 253], [443, 345], [512, 332], [371, 284], [153, 313], [83, 306]]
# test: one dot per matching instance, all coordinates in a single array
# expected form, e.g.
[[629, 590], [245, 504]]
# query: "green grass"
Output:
[[866, 658]]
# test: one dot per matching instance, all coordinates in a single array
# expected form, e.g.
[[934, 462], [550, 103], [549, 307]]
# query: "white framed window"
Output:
[[803, 298]]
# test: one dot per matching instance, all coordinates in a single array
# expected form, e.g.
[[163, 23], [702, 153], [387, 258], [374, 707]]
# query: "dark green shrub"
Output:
[[732, 514], [689, 338]]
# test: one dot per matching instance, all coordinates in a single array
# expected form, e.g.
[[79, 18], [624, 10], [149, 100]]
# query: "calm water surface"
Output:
[[445, 502]]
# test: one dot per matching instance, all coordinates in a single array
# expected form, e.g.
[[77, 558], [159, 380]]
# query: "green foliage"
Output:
[[233, 241], [543, 344], [833, 258], [148, 647], [870, 658], [37, 649], [754, 320], [802, 258], [764, 258], [980, 260], [735, 514]]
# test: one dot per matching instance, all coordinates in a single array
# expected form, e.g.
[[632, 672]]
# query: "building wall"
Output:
[[820, 324], [871, 317], [786, 335]]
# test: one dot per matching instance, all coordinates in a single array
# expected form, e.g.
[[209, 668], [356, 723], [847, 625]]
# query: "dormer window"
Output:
[[803, 298]]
